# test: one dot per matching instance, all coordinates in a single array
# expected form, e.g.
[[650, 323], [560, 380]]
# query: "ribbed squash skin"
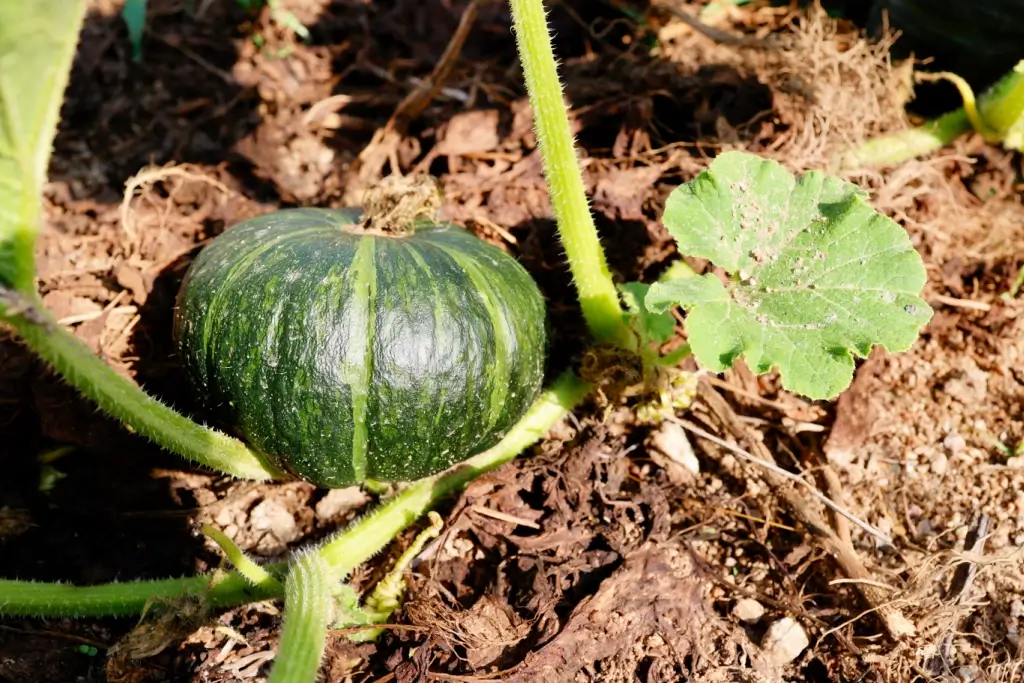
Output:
[[345, 356]]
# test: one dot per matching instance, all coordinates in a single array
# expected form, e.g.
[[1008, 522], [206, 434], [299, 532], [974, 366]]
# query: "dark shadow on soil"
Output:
[[180, 103]]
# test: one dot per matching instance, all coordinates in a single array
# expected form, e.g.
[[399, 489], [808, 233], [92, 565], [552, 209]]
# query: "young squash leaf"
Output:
[[37, 43], [815, 274], [653, 328]]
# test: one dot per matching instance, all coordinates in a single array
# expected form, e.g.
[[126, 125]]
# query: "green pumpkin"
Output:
[[347, 356]]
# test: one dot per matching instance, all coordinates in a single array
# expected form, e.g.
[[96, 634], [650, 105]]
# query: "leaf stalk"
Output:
[[598, 296]]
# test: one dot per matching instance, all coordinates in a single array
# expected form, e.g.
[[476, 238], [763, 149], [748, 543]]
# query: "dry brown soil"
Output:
[[597, 556]]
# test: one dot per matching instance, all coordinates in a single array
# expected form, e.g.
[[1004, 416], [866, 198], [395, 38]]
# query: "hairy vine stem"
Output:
[[598, 296], [307, 614], [119, 397], [343, 553]]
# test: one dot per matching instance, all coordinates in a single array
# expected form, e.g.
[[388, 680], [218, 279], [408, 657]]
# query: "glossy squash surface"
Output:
[[347, 356]]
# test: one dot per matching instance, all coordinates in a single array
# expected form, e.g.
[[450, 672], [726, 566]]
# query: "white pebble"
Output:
[[338, 502], [670, 441], [784, 641], [954, 443], [748, 610]]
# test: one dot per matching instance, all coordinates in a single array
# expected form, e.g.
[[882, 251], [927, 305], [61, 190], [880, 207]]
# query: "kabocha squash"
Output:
[[349, 350]]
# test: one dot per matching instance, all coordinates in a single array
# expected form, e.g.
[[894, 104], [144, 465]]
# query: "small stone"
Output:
[[968, 387], [131, 278], [670, 448], [884, 525], [337, 502], [924, 529], [966, 674], [224, 517], [940, 461], [1017, 608], [273, 517], [1013, 636], [954, 443], [784, 641], [1015, 462], [748, 610]]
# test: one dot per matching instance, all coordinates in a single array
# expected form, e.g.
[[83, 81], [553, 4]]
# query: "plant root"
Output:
[[148, 177], [959, 588]]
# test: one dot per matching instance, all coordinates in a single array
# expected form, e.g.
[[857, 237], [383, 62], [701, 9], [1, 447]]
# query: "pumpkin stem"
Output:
[[393, 206]]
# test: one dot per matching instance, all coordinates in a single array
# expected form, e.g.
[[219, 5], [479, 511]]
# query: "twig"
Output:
[[962, 303], [835, 492], [419, 99], [896, 625], [960, 586], [504, 517], [772, 467], [384, 145], [219, 73], [57, 634], [717, 35]]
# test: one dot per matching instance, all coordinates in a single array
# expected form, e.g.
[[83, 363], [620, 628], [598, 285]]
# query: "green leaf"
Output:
[[656, 328], [37, 43], [815, 274], [134, 15]]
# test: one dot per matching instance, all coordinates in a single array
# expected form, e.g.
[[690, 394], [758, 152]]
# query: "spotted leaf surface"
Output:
[[813, 276]]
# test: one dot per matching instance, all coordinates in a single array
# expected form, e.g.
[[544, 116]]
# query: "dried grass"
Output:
[[833, 90]]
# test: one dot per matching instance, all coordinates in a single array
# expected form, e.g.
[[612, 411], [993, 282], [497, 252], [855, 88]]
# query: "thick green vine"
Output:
[[997, 115], [305, 583], [343, 553], [307, 613], [37, 44], [118, 397], [598, 296]]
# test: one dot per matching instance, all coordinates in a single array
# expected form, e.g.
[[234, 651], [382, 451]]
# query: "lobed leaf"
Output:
[[815, 275]]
